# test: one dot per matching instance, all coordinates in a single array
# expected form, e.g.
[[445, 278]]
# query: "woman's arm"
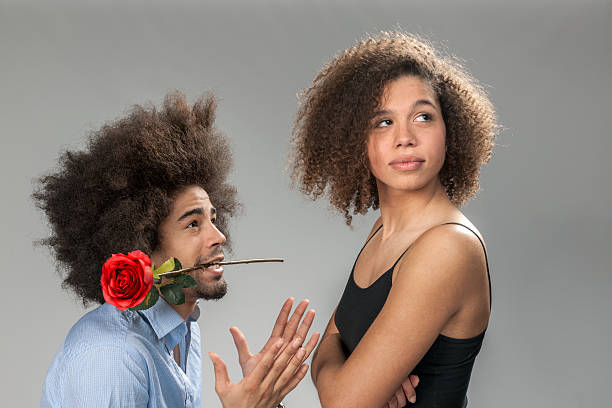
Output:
[[329, 354], [441, 269]]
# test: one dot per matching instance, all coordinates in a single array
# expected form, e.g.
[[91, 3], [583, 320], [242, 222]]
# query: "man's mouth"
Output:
[[212, 265], [214, 269], [213, 261]]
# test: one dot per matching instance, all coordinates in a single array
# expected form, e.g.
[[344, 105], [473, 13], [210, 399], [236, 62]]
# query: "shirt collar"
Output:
[[167, 323]]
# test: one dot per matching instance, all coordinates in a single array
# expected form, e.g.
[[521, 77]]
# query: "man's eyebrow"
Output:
[[418, 103], [197, 210]]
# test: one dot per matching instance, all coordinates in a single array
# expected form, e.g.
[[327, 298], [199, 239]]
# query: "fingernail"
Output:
[[412, 399]]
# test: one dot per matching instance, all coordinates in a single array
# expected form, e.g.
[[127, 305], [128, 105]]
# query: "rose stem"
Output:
[[245, 261]]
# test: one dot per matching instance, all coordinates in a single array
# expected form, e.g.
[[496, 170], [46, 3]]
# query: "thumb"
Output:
[[221, 375]]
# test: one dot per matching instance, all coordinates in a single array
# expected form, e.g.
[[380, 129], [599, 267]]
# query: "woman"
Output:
[[391, 124]]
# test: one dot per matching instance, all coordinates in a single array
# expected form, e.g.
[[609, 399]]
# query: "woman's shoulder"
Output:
[[460, 232], [450, 247]]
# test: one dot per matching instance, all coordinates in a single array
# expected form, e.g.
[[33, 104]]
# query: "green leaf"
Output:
[[165, 267], [149, 300], [173, 293], [185, 281], [177, 264], [167, 281], [154, 296]]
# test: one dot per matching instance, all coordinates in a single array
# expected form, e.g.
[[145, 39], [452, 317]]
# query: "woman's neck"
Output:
[[401, 209]]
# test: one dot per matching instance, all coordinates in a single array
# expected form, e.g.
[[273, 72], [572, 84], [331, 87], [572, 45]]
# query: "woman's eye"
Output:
[[423, 117], [384, 123], [213, 220]]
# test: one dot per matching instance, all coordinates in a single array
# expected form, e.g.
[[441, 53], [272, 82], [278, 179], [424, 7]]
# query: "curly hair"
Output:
[[334, 117], [112, 196]]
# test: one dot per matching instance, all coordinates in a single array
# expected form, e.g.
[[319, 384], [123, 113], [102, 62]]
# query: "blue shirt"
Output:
[[114, 358]]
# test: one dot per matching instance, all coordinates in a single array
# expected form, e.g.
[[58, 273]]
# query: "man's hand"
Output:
[[285, 329], [271, 379], [273, 372], [404, 393]]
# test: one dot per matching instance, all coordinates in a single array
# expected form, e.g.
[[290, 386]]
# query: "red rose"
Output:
[[126, 279]]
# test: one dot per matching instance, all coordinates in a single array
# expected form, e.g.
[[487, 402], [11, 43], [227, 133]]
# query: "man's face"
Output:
[[189, 234]]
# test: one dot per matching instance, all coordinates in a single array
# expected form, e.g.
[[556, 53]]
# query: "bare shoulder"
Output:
[[450, 239], [448, 251]]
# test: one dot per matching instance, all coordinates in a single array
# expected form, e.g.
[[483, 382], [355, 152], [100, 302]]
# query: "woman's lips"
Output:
[[407, 164]]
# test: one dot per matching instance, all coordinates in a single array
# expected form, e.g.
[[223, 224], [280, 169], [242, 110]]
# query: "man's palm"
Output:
[[284, 328], [247, 360]]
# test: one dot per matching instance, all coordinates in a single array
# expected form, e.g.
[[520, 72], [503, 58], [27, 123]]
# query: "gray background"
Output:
[[66, 68]]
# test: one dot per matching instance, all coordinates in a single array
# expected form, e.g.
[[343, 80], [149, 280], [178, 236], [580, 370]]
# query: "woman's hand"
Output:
[[269, 381], [404, 393]]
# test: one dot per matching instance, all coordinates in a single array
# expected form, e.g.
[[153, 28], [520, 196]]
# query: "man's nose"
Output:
[[215, 237]]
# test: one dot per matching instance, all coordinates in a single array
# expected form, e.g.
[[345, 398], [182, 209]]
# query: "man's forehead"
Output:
[[192, 197]]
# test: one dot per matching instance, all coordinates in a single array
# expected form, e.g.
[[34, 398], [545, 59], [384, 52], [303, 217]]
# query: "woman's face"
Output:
[[406, 143]]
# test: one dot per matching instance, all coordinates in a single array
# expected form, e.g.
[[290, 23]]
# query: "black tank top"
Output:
[[444, 372]]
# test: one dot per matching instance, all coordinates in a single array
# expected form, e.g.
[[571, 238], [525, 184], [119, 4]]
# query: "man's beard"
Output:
[[210, 290]]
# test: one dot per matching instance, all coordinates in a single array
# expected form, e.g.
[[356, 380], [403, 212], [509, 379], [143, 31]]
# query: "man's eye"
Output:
[[213, 220], [423, 117], [384, 123], [192, 224]]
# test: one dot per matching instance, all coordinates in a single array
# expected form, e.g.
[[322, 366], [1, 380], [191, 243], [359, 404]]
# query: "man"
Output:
[[155, 181]]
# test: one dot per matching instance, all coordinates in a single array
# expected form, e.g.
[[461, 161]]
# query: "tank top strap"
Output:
[[400, 257], [372, 236], [485, 254], [366, 243], [479, 240], [363, 247]]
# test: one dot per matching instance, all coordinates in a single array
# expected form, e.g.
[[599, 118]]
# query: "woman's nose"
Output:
[[404, 136]]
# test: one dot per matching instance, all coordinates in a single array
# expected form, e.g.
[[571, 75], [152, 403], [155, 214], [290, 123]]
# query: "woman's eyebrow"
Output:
[[382, 112], [418, 103], [421, 102]]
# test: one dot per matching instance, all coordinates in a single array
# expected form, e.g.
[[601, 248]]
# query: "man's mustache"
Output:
[[200, 260]]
